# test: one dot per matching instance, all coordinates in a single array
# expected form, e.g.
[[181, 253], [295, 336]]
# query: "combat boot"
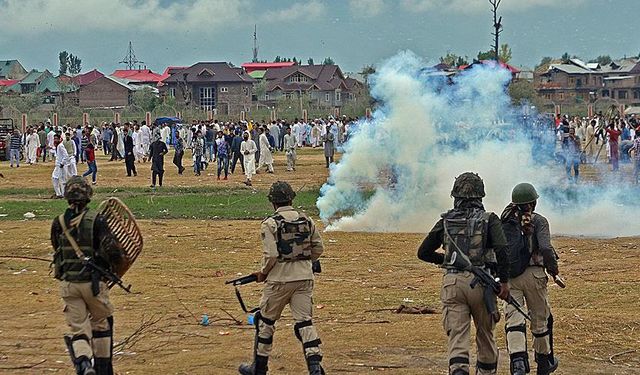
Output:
[[518, 367], [460, 372], [258, 367], [83, 366], [547, 363], [103, 366], [313, 364]]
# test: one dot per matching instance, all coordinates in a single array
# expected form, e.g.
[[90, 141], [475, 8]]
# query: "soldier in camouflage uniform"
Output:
[[528, 231], [87, 308], [290, 243], [467, 228]]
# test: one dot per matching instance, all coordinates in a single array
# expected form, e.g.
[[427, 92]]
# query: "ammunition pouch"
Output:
[[293, 238]]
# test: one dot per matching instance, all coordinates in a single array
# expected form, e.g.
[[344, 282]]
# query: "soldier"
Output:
[[531, 252], [290, 244], [468, 231], [77, 234]]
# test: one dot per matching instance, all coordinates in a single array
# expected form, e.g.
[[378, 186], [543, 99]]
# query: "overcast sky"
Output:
[[353, 32]]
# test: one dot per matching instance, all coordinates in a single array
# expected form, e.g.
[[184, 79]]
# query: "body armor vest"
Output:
[[68, 266], [468, 229], [293, 238]]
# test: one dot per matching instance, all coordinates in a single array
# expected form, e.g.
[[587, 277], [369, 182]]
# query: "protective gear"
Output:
[[103, 349], [281, 192], [460, 372], [78, 189], [82, 364], [67, 265], [293, 238], [468, 233], [519, 363], [468, 185], [524, 193], [306, 333], [259, 364], [313, 364], [547, 364]]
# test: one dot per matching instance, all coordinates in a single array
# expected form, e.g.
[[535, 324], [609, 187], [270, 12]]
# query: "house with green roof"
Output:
[[11, 69]]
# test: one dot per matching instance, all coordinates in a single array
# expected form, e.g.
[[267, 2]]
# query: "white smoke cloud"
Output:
[[397, 171]]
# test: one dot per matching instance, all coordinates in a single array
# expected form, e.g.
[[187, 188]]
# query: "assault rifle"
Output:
[[242, 280], [99, 272]]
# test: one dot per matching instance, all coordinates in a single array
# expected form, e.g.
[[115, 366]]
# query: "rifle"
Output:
[[482, 276], [242, 280], [112, 278]]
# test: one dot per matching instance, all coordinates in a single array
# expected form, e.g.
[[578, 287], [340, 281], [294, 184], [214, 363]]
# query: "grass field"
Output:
[[200, 232]]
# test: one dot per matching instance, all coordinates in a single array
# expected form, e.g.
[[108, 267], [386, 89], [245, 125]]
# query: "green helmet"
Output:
[[281, 192], [524, 193], [77, 189], [468, 185]]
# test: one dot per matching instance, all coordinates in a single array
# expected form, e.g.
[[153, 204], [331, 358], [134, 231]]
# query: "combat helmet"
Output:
[[77, 189], [524, 193], [281, 192], [468, 185]]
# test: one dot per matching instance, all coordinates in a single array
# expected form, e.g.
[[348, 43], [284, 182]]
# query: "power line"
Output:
[[130, 60]]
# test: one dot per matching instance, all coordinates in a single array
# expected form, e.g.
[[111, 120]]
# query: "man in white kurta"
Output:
[[290, 142], [165, 132], [266, 158], [71, 169], [145, 139], [138, 151], [32, 144], [297, 131], [58, 177], [50, 144], [248, 148], [120, 140]]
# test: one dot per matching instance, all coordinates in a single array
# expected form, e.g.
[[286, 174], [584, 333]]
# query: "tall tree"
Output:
[[277, 59], [63, 57], [367, 70], [75, 64], [310, 61], [566, 57], [545, 61], [497, 26], [328, 61], [602, 60], [486, 55], [452, 59]]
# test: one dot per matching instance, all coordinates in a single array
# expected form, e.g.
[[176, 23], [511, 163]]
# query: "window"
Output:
[[172, 92], [636, 94], [327, 97], [266, 96], [287, 95], [605, 93], [561, 96], [245, 90], [298, 78], [338, 95], [579, 82], [351, 96], [572, 81], [207, 98], [548, 96], [622, 94], [224, 89]]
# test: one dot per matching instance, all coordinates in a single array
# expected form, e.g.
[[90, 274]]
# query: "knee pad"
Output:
[[524, 356], [103, 341]]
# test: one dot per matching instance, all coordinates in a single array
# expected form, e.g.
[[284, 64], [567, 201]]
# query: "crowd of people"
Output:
[[588, 140], [227, 144]]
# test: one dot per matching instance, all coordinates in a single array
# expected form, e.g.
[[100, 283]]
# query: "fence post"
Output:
[[116, 117], [24, 123], [147, 117], [305, 115], [55, 118], [85, 118]]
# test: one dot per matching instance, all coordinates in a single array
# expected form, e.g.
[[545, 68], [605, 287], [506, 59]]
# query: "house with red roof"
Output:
[[514, 71]]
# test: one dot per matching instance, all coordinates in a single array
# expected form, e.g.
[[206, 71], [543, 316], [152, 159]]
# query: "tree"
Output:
[[75, 64], [328, 61], [545, 61], [451, 59], [602, 60], [565, 58], [310, 61], [146, 99], [522, 92], [277, 59], [486, 55], [367, 70], [505, 53], [63, 57], [497, 26]]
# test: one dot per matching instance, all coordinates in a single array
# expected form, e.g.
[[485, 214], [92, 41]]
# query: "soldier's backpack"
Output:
[[519, 246], [293, 238]]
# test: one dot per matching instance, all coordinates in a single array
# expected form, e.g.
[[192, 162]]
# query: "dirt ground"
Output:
[[181, 275], [310, 173], [185, 263]]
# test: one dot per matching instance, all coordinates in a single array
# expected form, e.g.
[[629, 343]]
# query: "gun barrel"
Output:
[[243, 280]]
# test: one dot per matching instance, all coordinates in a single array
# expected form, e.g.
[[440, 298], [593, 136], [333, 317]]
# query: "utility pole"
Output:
[[255, 43], [497, 25], [130, 60]]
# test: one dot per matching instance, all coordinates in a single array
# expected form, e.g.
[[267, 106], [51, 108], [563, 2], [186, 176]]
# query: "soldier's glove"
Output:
[[260, 277], [504, 291]]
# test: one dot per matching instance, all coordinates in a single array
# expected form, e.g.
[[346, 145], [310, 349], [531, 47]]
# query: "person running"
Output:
[[90, 157], [177, 157], [222, 153]]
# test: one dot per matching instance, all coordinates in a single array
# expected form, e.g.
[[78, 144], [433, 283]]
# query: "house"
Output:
[[11, 69], [168, 72], [251, 67], [138, 76], [512, 69], [103, 92], [575, 82], [325, 85], [28, 83], [211, 86], [86, 78]]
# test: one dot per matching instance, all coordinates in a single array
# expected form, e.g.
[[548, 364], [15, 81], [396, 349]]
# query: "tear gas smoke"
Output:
[[398, 168]]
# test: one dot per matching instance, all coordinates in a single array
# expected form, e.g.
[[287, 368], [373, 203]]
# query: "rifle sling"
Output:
[[72, 241], [241, 301]]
